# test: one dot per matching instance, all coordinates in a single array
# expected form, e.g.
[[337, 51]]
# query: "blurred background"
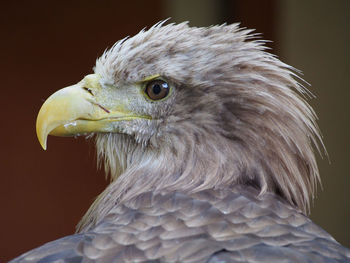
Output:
[[47, 45]]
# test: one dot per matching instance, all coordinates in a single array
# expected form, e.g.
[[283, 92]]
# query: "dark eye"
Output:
[[157, 89]]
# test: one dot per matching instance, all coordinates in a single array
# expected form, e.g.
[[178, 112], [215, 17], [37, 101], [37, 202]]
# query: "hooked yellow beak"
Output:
[[75, 111]]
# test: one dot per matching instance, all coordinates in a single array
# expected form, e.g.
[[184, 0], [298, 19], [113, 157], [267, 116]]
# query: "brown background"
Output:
[[46, 46]]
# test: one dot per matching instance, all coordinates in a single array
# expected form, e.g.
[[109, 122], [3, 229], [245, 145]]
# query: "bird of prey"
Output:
[[209, 143]]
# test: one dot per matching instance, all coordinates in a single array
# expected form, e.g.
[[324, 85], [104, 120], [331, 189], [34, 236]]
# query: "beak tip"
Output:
[[43, 144], [42, 137]]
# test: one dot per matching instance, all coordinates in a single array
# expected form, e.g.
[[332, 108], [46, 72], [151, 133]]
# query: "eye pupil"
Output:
[[157, 89]]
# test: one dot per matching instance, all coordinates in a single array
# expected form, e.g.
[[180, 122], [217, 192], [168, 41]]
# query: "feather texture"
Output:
[[208, 226]]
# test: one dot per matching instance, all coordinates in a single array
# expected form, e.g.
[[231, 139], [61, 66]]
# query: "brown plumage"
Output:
[[219, 170]]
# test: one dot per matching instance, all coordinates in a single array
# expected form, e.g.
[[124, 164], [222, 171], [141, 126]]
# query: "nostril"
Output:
[[88, 90]]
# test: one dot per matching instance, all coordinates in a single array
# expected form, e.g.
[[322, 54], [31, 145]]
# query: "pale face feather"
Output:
[[234, 116]]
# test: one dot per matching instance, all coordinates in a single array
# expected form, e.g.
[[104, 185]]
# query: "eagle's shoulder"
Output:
[[207, 226]]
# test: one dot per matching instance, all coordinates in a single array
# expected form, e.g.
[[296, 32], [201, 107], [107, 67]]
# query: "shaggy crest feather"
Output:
[[236, 117]]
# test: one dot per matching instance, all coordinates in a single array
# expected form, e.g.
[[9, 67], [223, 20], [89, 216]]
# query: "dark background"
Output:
[[47, 45]]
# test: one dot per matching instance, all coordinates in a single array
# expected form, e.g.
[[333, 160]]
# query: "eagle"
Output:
[[210, 145]]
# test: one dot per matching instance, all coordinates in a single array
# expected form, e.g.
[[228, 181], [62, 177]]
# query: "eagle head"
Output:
[[179, 108]]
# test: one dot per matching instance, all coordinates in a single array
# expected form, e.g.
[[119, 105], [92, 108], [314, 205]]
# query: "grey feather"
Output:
[[208, 226]]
